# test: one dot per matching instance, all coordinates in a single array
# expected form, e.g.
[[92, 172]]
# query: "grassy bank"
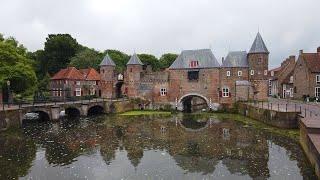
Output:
[[291, 133], [139, 113]]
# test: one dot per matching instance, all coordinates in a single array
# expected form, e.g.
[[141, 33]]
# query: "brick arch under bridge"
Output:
[[210, 104]]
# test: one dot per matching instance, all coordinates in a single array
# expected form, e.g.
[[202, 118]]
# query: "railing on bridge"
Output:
[[20, 103], [286, 106]]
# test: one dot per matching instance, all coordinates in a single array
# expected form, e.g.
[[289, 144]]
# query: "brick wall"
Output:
[[207, 84], [259, 63], [301, 79]]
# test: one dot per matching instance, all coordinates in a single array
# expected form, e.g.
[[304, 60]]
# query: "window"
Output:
[[163, 91], [193, 75], [317, 92], [92, 91], [225, 92], [239, 73], [291, 79], [272, 73], [265, 72], [60, 92], [252, 72], [193, 64], [228, 73], [270, 82], [317, 78], [78, 83], [78, 91], [94, 83], [291, 92]]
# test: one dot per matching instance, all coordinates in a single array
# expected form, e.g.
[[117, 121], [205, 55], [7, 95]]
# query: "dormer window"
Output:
[[194, 64]]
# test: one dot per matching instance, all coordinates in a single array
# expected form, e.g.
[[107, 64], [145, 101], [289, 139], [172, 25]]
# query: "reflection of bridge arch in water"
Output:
[[202, 125]]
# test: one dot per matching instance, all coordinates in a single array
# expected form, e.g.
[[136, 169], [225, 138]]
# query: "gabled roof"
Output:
[[134, 60], [68, 73], [107, 61], [236, 59], [312, 60], [276, 69], [205, 58], [258, 45], [90, 74]]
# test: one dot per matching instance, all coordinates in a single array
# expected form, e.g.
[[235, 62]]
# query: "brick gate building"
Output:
[[197, 78]]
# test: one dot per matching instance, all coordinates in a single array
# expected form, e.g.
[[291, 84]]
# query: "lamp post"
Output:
[[9, 95]]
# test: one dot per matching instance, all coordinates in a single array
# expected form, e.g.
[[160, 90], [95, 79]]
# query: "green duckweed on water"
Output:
[[139, 113]]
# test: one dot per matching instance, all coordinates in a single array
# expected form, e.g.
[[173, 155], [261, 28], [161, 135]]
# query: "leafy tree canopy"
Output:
[[167, 59], [86, 58], [149, 59], [58, 50], [119, 58], [16, 67]]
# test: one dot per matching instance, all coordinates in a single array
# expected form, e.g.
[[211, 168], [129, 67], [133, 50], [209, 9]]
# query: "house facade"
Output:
[[73, 83], [306, 75]]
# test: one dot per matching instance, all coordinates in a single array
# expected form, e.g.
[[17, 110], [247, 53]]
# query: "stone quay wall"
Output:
[[287, 120]]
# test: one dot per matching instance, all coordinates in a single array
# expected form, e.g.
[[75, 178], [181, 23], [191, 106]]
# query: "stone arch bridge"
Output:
[[13, 116]]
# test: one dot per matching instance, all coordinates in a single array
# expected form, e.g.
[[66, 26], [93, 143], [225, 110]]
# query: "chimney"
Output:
[[318, 50], [301, 52], [292, 58], [222, 60]]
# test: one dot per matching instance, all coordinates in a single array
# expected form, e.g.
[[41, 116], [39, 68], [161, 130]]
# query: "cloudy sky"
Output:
[[160, 26]]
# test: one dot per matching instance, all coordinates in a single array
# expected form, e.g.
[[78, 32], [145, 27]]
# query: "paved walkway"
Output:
[[310, 109]]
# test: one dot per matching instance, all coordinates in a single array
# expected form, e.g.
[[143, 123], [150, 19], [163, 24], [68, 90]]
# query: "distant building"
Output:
[[71, 82], [306, 75]]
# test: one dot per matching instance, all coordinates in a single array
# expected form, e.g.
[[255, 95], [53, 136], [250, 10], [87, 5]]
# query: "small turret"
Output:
[[133, 75], [107, 67]]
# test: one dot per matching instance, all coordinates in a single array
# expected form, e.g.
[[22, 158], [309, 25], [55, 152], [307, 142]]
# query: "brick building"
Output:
[[71, 82], [281, 79], [196, 78], [306, 75]]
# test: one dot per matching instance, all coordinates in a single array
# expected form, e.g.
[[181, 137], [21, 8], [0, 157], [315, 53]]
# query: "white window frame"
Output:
[[78, 92], [94, 82], [239, 73], [272, 73], [163, 91], [318, 78], [92, 91], [291, 79], [228, 73], [317, 92], [291, 92], [78, 83], [266, 72], [252, 72], [225, 92]]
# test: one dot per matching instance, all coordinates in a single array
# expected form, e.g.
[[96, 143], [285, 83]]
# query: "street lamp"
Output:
[[8, 85]]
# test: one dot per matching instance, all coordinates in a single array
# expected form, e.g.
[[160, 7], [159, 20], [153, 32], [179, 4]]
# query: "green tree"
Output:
[[149, 59], [167, 59], [120, 59], [58, 50], [86, 58], [16, 67]]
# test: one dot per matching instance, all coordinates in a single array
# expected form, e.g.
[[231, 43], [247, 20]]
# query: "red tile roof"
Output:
[[68, 73], [312, 60], [90, 74]]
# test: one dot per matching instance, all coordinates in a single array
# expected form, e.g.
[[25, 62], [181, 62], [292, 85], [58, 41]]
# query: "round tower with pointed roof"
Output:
[[258, 59], [107, 73], [133, 76]]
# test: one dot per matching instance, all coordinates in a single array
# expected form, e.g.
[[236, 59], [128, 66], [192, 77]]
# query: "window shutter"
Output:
[[74, 93], [229, 94], [220, 93]]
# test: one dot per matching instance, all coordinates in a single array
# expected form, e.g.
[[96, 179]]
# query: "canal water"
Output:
[[149, 147]]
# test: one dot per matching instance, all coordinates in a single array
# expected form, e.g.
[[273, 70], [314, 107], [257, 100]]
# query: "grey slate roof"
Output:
[[107, 61], [258, 45], [205, 58], [134, 60], [236, 59]]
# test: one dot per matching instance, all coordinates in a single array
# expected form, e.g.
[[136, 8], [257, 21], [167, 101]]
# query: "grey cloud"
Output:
[[159, 26]]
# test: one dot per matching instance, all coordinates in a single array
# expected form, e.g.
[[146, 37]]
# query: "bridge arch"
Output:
[[184, 103], [72, 112], [95, 110], [35, 115]]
